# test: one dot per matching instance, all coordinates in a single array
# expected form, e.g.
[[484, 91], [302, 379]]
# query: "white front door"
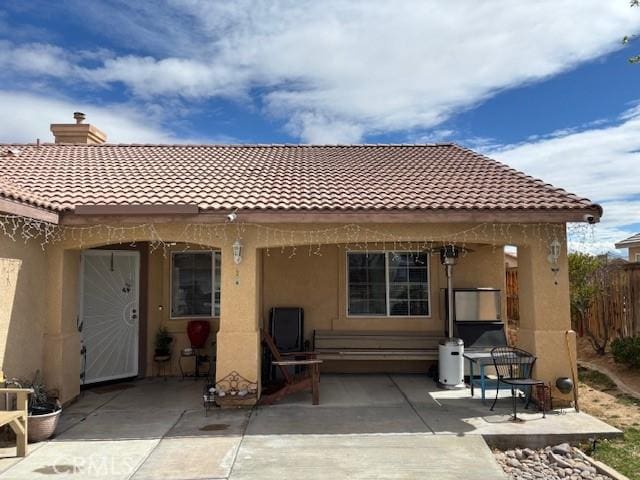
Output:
[[109, 315]]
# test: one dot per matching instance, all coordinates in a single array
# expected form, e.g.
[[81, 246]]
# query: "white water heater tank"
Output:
[[451, 363]]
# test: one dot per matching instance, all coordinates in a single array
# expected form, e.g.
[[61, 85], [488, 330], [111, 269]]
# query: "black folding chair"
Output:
[[514, 367]]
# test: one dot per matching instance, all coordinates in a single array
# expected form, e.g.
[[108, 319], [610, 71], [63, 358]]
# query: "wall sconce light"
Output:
[[237, 252], [554, 252], [554, 255]]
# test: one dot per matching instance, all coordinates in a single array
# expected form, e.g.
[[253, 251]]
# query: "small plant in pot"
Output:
[[163, 342], [44, 408]]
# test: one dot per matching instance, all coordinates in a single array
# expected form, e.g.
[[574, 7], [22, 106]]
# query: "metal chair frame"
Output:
[[514, 367]]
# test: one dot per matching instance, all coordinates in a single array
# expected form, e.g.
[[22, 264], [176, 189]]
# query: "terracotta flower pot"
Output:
[[41, 427], [198, 332]]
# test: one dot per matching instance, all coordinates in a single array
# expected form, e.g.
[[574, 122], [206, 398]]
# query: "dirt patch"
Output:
[[629, 376], [600, 397]]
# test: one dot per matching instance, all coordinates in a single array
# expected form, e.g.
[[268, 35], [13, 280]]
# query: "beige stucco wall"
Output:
[[633, 252], [317, 283], [250, 287], [22, 307], [159, 310]]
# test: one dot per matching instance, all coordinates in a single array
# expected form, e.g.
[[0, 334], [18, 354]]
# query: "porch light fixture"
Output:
[[237, 252], [554, 255], [554, 252]]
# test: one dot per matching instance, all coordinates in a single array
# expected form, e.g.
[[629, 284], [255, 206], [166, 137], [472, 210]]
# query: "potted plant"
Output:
[[44, 408], [163, 343]]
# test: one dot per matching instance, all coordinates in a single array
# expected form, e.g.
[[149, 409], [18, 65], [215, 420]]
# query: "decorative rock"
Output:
[[513, 462], [562, 449], [560, 462], [587, 468]]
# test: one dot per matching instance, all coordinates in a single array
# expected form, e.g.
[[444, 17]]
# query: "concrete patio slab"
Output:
[[366, 426], [90, 400], [8, 455], [190, 458], [456, 412], [217, 423], [156, 394], [87, 460], [128, 425], [365, 457], [335, 420], [69, 420], [352, 390]]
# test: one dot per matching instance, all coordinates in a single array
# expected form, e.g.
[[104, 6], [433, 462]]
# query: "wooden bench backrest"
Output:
[[374, 340]]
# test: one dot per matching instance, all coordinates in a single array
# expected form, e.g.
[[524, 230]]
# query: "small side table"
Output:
[[161, 363], [199, 360]]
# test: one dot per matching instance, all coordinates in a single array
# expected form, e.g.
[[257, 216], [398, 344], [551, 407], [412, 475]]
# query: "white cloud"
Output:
[[341, 70], [602, 164], [35, 59], [26, 116]]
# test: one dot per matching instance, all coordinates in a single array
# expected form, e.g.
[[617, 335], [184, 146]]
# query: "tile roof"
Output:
[[274, 177], [632, 241], [21, 194]]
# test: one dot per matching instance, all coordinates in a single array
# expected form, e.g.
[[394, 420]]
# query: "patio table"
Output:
[[482, 360]]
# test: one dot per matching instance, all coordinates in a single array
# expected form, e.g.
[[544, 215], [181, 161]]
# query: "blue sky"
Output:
[[544, 86]]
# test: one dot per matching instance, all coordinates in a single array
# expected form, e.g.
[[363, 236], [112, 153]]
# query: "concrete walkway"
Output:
[[367, 426]]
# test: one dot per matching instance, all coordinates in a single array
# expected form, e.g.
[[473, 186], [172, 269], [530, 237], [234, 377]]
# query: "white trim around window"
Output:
[[638, 257], [215, 256], [387, 284]]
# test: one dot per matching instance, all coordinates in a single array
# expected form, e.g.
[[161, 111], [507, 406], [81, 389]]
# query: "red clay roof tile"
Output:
[[274, 177]]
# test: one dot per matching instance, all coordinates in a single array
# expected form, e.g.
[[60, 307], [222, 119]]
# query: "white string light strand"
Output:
[[349, 236]]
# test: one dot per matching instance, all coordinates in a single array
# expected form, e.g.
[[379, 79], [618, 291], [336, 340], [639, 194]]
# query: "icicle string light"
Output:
[[349, 236]]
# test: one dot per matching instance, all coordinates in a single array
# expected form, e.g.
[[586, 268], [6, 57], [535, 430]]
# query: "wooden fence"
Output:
[[615, 311], [513, 311]]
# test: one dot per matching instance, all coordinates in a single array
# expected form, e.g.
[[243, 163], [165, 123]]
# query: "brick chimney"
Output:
[[77, 132]]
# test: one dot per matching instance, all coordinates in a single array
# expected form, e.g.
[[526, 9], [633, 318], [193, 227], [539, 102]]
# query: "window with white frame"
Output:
[[638, 257], [195, 284], [394, 284]]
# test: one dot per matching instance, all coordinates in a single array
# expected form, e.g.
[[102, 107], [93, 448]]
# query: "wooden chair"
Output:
[[16, 419], [309, 380]]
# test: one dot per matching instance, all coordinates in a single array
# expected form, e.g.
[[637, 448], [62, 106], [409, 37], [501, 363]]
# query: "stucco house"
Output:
[[149, 235], [633, 245]]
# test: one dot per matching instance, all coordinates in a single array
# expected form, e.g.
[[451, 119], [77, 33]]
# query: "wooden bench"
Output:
[[375, 345], [17, 419]]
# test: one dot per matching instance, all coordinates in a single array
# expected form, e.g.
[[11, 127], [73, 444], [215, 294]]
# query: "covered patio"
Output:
[[402, 425]]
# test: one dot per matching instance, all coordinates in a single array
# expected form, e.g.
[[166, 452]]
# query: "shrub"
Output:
[[627, 351]]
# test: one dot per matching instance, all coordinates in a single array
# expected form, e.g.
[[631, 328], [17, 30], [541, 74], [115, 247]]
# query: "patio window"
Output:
[[195, 284], [393, 284]]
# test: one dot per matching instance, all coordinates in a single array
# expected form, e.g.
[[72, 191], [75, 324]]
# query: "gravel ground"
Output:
[[559, 462]]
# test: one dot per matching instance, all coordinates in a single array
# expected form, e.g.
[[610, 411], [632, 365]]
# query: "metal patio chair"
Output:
[[514, 368]]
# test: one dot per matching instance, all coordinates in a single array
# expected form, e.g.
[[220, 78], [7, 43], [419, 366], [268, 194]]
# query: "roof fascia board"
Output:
[[16, 208], [136, 210], [371, 216]]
